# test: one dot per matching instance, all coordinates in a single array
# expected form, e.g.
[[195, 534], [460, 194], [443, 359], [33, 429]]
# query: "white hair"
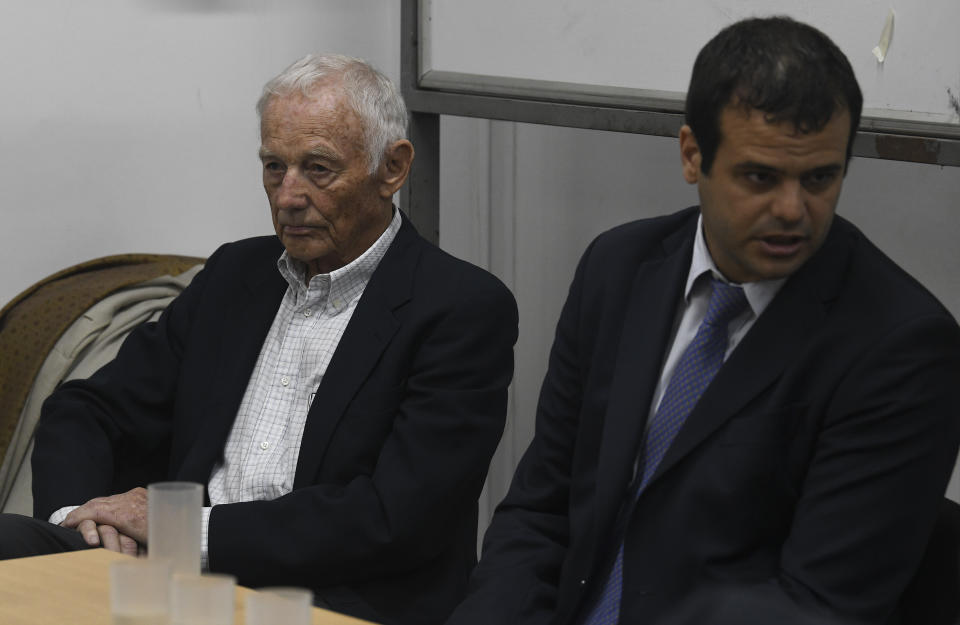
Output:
[[373, 97]]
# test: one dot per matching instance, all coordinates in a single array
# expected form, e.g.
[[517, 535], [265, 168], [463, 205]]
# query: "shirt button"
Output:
[[583, 582], [307, 312], [264, 445], [338, 304], [285, 380]]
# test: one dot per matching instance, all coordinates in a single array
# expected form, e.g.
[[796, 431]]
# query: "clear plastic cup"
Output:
[[173, 524], [202, 599], [139, 591]]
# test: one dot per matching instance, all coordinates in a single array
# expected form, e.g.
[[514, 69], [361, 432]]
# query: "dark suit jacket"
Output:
[[812, 465], [382, 519]]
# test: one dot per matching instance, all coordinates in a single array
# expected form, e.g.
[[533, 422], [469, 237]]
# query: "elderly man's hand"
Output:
[[118, 522], [109, 538]]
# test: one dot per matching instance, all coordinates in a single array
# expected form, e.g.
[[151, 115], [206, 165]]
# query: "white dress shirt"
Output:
[[693, 309]]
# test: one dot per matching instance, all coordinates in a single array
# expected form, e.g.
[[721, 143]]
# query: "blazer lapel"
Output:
[[369, 332], [765, 351], [648, 322], [246, 322]]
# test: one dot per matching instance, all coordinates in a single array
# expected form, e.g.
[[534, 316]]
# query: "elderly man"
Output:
[[339, 388], [744, 399]]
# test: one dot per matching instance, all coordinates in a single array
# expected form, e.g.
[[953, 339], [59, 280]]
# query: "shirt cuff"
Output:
[[57, 517], [204, 528]]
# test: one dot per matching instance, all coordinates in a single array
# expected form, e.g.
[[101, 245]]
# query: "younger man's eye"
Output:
[[760, 178]]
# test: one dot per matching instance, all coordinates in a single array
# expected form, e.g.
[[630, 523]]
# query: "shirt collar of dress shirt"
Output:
[[348, 282], [759, 294]]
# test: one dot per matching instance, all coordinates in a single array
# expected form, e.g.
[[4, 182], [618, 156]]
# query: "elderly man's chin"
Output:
[[307, 249]]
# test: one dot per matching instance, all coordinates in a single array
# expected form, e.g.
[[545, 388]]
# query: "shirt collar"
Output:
[[348, 282], [759, 294]]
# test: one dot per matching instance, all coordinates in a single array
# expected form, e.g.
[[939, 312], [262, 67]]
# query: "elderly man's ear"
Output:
[[395, 167]]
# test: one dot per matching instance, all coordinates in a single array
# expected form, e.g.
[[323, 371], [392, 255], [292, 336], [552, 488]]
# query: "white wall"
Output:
[[525, 200], [129, 125]]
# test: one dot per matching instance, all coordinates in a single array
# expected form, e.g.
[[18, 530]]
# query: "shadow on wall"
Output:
[[212, 6]]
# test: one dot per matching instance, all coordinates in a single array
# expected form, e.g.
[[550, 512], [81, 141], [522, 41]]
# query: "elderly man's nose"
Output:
[[291, 193]]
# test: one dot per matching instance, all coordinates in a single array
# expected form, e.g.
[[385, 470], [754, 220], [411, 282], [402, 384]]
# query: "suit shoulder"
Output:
[[252, 250], [268, 244], [629, 243], [440, 267], [876, 283]]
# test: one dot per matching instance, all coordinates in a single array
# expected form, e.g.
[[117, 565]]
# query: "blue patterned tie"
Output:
[[695, 369]]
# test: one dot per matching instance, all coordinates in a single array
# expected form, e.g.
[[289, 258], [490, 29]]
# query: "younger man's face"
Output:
[[771, 193]]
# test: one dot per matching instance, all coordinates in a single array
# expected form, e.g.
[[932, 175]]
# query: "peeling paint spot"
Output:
[[954, 101]]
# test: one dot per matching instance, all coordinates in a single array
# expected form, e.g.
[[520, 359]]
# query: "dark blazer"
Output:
[[382, 519], [812, 466]]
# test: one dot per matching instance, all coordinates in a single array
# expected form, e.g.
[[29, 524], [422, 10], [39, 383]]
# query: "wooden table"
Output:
[[75, 588]]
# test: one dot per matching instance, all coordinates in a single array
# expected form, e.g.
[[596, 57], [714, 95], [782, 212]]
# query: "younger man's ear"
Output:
[[690, 155], [395, 167]]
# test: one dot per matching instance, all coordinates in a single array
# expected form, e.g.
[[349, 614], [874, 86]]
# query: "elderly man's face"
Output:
[[770, 196], [327, 208]]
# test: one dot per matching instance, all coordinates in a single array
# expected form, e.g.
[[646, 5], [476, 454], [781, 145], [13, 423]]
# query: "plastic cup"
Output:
[[269, 606], [202, 599], [139, 591], [173, 524]]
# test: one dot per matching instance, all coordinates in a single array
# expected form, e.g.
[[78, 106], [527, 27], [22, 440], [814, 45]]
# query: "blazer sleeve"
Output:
[[878, 471], [119, 417], [428, 471], [525, 546]]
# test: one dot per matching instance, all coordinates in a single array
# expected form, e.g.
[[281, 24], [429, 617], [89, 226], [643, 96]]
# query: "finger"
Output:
[[127, 513], [88, 529], [109, 537], [88, 511], [73, 518], [128, 545]]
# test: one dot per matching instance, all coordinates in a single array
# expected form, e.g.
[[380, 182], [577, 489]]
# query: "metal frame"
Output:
[[431, 94]]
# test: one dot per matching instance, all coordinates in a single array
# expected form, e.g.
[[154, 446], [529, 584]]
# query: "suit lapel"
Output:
[[369, 332], [770, 345], [648, 322], [246, 322]]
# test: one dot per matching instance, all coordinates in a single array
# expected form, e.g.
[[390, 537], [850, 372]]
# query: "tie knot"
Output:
[[726, 302]]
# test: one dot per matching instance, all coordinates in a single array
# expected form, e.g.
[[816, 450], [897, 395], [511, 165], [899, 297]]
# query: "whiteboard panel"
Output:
[[651, 45]]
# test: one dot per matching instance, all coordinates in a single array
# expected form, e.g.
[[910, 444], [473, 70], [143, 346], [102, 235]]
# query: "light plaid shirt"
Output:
[[261, 452]]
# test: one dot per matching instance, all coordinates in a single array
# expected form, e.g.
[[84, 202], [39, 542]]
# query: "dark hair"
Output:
[[789, 71]]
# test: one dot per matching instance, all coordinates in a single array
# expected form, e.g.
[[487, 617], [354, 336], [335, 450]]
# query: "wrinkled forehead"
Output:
[[297, 124], [326, 97], [316, 108]]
